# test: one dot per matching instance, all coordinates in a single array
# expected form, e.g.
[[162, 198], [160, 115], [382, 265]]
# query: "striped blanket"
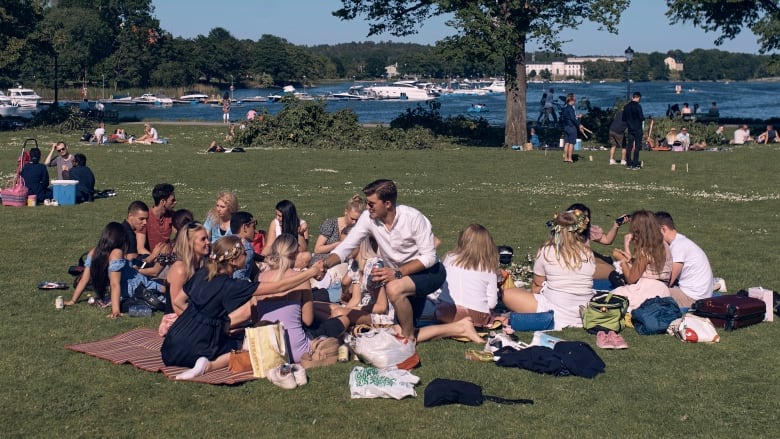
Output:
[[141, 348]]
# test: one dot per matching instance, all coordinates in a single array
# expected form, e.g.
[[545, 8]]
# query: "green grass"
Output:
[[727, 202]]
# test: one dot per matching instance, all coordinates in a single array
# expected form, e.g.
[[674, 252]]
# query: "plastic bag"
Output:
[[391, 382], [694, 329], [380, 347]]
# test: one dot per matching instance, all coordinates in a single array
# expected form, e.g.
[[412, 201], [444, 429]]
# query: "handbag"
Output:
[[655, 315], [380, 347], [604, 312], [239, 361], [267, 347], [323, 351], [15, 192]]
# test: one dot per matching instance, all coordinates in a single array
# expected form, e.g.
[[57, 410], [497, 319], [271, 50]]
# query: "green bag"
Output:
[[604, 312]]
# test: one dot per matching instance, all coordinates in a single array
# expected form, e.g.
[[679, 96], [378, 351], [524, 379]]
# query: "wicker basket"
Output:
[[15, 194]]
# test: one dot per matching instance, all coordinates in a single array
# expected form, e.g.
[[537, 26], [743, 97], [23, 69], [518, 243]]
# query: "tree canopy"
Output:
[[730, 17], [485, 27]]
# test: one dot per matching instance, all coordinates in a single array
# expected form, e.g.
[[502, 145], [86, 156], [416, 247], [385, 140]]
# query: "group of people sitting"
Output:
[[119, 135], [380, 256], [742, 135], [69, 167]]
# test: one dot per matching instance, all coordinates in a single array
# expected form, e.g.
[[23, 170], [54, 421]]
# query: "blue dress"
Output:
[[202, 329]]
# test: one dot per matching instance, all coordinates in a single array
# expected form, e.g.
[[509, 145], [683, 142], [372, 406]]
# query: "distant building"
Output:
[[583, 59], [391, 70], [558, 69], [674, 65]]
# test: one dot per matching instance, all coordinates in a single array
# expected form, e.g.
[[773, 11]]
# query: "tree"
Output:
[[729, 17], [18, 17], [501, 27]]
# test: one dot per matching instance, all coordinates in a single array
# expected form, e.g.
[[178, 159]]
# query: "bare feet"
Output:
[[465, 328]]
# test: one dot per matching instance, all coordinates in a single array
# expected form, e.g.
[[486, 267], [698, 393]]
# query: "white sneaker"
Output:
[[612, 162], [623, 162], [299, 373], [282, 376]]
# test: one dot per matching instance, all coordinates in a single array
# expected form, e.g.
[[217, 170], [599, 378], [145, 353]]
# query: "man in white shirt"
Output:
[[684, 138], [405, 244], [690, 269], [742, 135]]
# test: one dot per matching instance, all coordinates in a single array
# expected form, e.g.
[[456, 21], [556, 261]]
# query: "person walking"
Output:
[[633, 117]]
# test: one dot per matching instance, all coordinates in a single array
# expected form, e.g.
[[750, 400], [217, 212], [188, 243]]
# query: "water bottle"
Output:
[[140, 311]]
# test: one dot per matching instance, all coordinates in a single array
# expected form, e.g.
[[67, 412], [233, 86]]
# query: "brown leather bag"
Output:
[[239, 361], [324, 351]]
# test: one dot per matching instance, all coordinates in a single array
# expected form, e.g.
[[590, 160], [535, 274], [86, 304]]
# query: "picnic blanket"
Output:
[[141, 348]]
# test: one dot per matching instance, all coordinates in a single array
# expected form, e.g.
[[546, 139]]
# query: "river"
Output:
[[734, 99]]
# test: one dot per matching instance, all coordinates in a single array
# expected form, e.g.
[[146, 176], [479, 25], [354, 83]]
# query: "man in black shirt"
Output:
[[633, 117]]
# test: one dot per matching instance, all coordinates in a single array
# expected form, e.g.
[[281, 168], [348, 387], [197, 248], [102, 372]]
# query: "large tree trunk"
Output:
[[514, 66]]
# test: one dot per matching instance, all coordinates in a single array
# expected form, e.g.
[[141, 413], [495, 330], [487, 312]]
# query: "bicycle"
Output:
[[76, 121]]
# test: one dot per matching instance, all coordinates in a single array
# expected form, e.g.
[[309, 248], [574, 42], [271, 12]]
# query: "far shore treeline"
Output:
[[122, 46]]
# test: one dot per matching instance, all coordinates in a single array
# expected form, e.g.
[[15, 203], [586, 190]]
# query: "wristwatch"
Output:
[[398, 274]]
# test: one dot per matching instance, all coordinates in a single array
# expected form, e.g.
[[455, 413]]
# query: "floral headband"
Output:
[[579, 226], [228, 254]]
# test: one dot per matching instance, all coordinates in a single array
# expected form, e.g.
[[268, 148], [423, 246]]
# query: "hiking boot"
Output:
[[604, 341], [282, 376], [617, 340]]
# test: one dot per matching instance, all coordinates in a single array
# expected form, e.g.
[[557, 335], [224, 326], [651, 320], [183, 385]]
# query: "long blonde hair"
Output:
[[231, 202], [283, 252], [223, 251], [566, 231], [476, 249], [185, 241]]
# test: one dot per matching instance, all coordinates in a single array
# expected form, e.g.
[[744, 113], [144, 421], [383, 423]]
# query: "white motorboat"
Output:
[[23, 97], [153, 99], [193, 96], [6, 107], [255, 99], [401, 90], [290, 90], [355, 93], [497, 86]]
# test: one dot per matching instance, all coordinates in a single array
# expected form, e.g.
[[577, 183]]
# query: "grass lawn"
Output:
[[725, 201]]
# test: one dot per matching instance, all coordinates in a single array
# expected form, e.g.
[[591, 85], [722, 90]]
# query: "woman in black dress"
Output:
[[214, 303]]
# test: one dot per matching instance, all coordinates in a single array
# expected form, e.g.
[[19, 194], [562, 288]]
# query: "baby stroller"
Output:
[[15, 191]]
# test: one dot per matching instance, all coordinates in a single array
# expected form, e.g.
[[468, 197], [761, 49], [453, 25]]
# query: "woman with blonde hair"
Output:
[[292, 306], [330, 229], [217, 222], [192, 246], [648, 268], [213, 302], [471, 287], [563, 273]]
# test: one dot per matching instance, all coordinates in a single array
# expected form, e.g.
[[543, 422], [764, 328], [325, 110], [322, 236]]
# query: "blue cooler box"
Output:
[[64, 191]]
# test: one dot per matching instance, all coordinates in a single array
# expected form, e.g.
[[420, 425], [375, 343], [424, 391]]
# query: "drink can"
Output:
[[59, 303], [343, 353]]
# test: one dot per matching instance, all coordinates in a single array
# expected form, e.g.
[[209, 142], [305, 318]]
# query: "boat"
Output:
[[153, 99], [193, 95], [255, 99], [401, 90], [478, 108], [497, 86], [355, 93], [6, 107], [23, 97], [288, 91]]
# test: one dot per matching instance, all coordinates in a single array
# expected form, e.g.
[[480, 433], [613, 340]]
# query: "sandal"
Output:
[[473, 354]]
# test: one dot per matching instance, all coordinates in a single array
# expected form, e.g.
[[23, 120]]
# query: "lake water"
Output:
[[735, 100]]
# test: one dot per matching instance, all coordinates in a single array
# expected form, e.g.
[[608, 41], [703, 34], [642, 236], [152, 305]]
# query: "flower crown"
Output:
[[230, 253], [579, 226]]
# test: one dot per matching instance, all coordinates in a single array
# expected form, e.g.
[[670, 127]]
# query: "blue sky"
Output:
[[309, 22]]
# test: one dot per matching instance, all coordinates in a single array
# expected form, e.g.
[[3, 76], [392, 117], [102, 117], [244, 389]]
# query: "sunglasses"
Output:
[[60, 149]]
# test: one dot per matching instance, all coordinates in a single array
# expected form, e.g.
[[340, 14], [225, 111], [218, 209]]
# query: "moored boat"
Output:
[[23, 97]]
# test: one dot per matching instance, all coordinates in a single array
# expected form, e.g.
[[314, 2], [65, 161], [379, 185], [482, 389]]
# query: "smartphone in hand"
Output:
[[623, 219]]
